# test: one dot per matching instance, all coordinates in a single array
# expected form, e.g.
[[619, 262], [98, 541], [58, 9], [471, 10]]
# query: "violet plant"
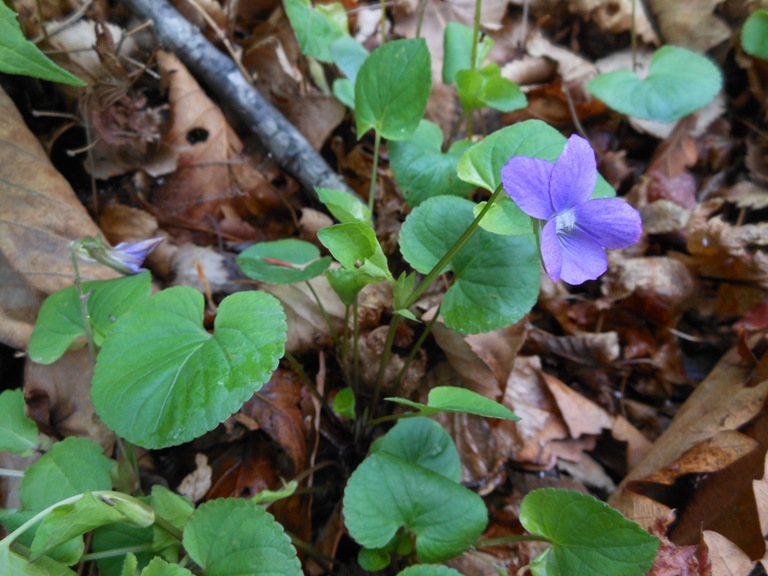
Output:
[[547, 204]]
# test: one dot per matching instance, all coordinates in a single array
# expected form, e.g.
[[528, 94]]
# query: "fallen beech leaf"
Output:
[[582, 416], [59, 398], [690, 23], [725, 557], [709, 456], [41, 216]]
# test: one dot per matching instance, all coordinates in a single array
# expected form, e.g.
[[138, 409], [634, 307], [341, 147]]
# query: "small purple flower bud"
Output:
[[576, 229], [126, 257]]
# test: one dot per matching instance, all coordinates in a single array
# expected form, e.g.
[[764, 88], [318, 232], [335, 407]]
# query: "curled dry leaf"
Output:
[[725, 557], [690, 23], [41, 216], [59, 398], [200, 267], [617, 16], [196, 484]]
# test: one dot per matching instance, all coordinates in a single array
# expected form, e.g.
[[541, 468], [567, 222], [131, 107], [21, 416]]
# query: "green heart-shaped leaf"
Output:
[[589, 538], [422, 442], [392, 88], [282, 261], [230, 536], [496, 278], [429, 570], [356, 248], [20, 56], [481, 165], [754, 34], [18, 433], [422, 170], [159, 567], [388, 492], [348, 54], [161, 379], [317, 27], [486, 88], [453, 399], [679, 82], [504, 217], [60, 321]]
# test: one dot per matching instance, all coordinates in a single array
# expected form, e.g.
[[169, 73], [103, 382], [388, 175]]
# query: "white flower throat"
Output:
[[565, 220]]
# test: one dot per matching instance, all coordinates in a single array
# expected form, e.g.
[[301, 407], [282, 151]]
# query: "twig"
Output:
[[289, 148]]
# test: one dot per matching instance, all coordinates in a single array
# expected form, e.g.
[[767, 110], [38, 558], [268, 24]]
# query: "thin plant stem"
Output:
[[390, 417], [83, 306], [383, 21], [374, 171], [487, 543], [473, 57], [417, 346], [116, 552], [633, 36], [325, 314], [422, 287], [355, 346], [422, 9], [10, 473]]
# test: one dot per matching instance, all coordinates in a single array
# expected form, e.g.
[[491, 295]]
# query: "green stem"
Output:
[[374, 171], [355, 346], [473, 60], [10, 473], [325, 314], [487, 543], [390, 417], [117, 552], [83, 307], [421, 288], [448, 256]]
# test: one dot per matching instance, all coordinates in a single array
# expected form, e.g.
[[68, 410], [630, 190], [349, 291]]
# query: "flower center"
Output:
[[566, 220]]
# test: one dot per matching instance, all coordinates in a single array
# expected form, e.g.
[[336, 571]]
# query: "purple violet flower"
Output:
[[126, 257], [576, 230]]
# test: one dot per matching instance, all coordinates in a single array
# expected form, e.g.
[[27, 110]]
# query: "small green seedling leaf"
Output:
[[159, 567], [457, 40], [452, 399], [344, 403], [215, 538], [317, 27], [269, 496], [60, 321], [173, 510], [392, 88], [496, 278], [754, 34], [505, 218], [72, 466], [402, 290], [90, 512], [130, 565], [348, 283], [283, 261], [487, 88], [20, 56], [387, 493], [422, 442], [357, 249], [679, 82], [18, 433], [161, 379], [589, 538], [373, 560], [481, 165], [421, 168], [343, 206], [429, 570]]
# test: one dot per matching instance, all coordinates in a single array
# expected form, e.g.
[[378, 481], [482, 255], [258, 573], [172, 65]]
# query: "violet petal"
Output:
[[610, 221], [574, 175], [583, 257], [551, 253], [526, 180]]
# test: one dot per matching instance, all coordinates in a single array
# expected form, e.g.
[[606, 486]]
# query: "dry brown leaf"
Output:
[[690, 23], [616, 16], [39, 218], [59, 398], [316, 116], [663, 217], [712, 455], [724, 401], [726, 558], [195, 484], [582, 416]]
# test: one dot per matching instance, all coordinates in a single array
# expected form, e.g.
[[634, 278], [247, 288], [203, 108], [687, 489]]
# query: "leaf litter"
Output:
[[646, 387]]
